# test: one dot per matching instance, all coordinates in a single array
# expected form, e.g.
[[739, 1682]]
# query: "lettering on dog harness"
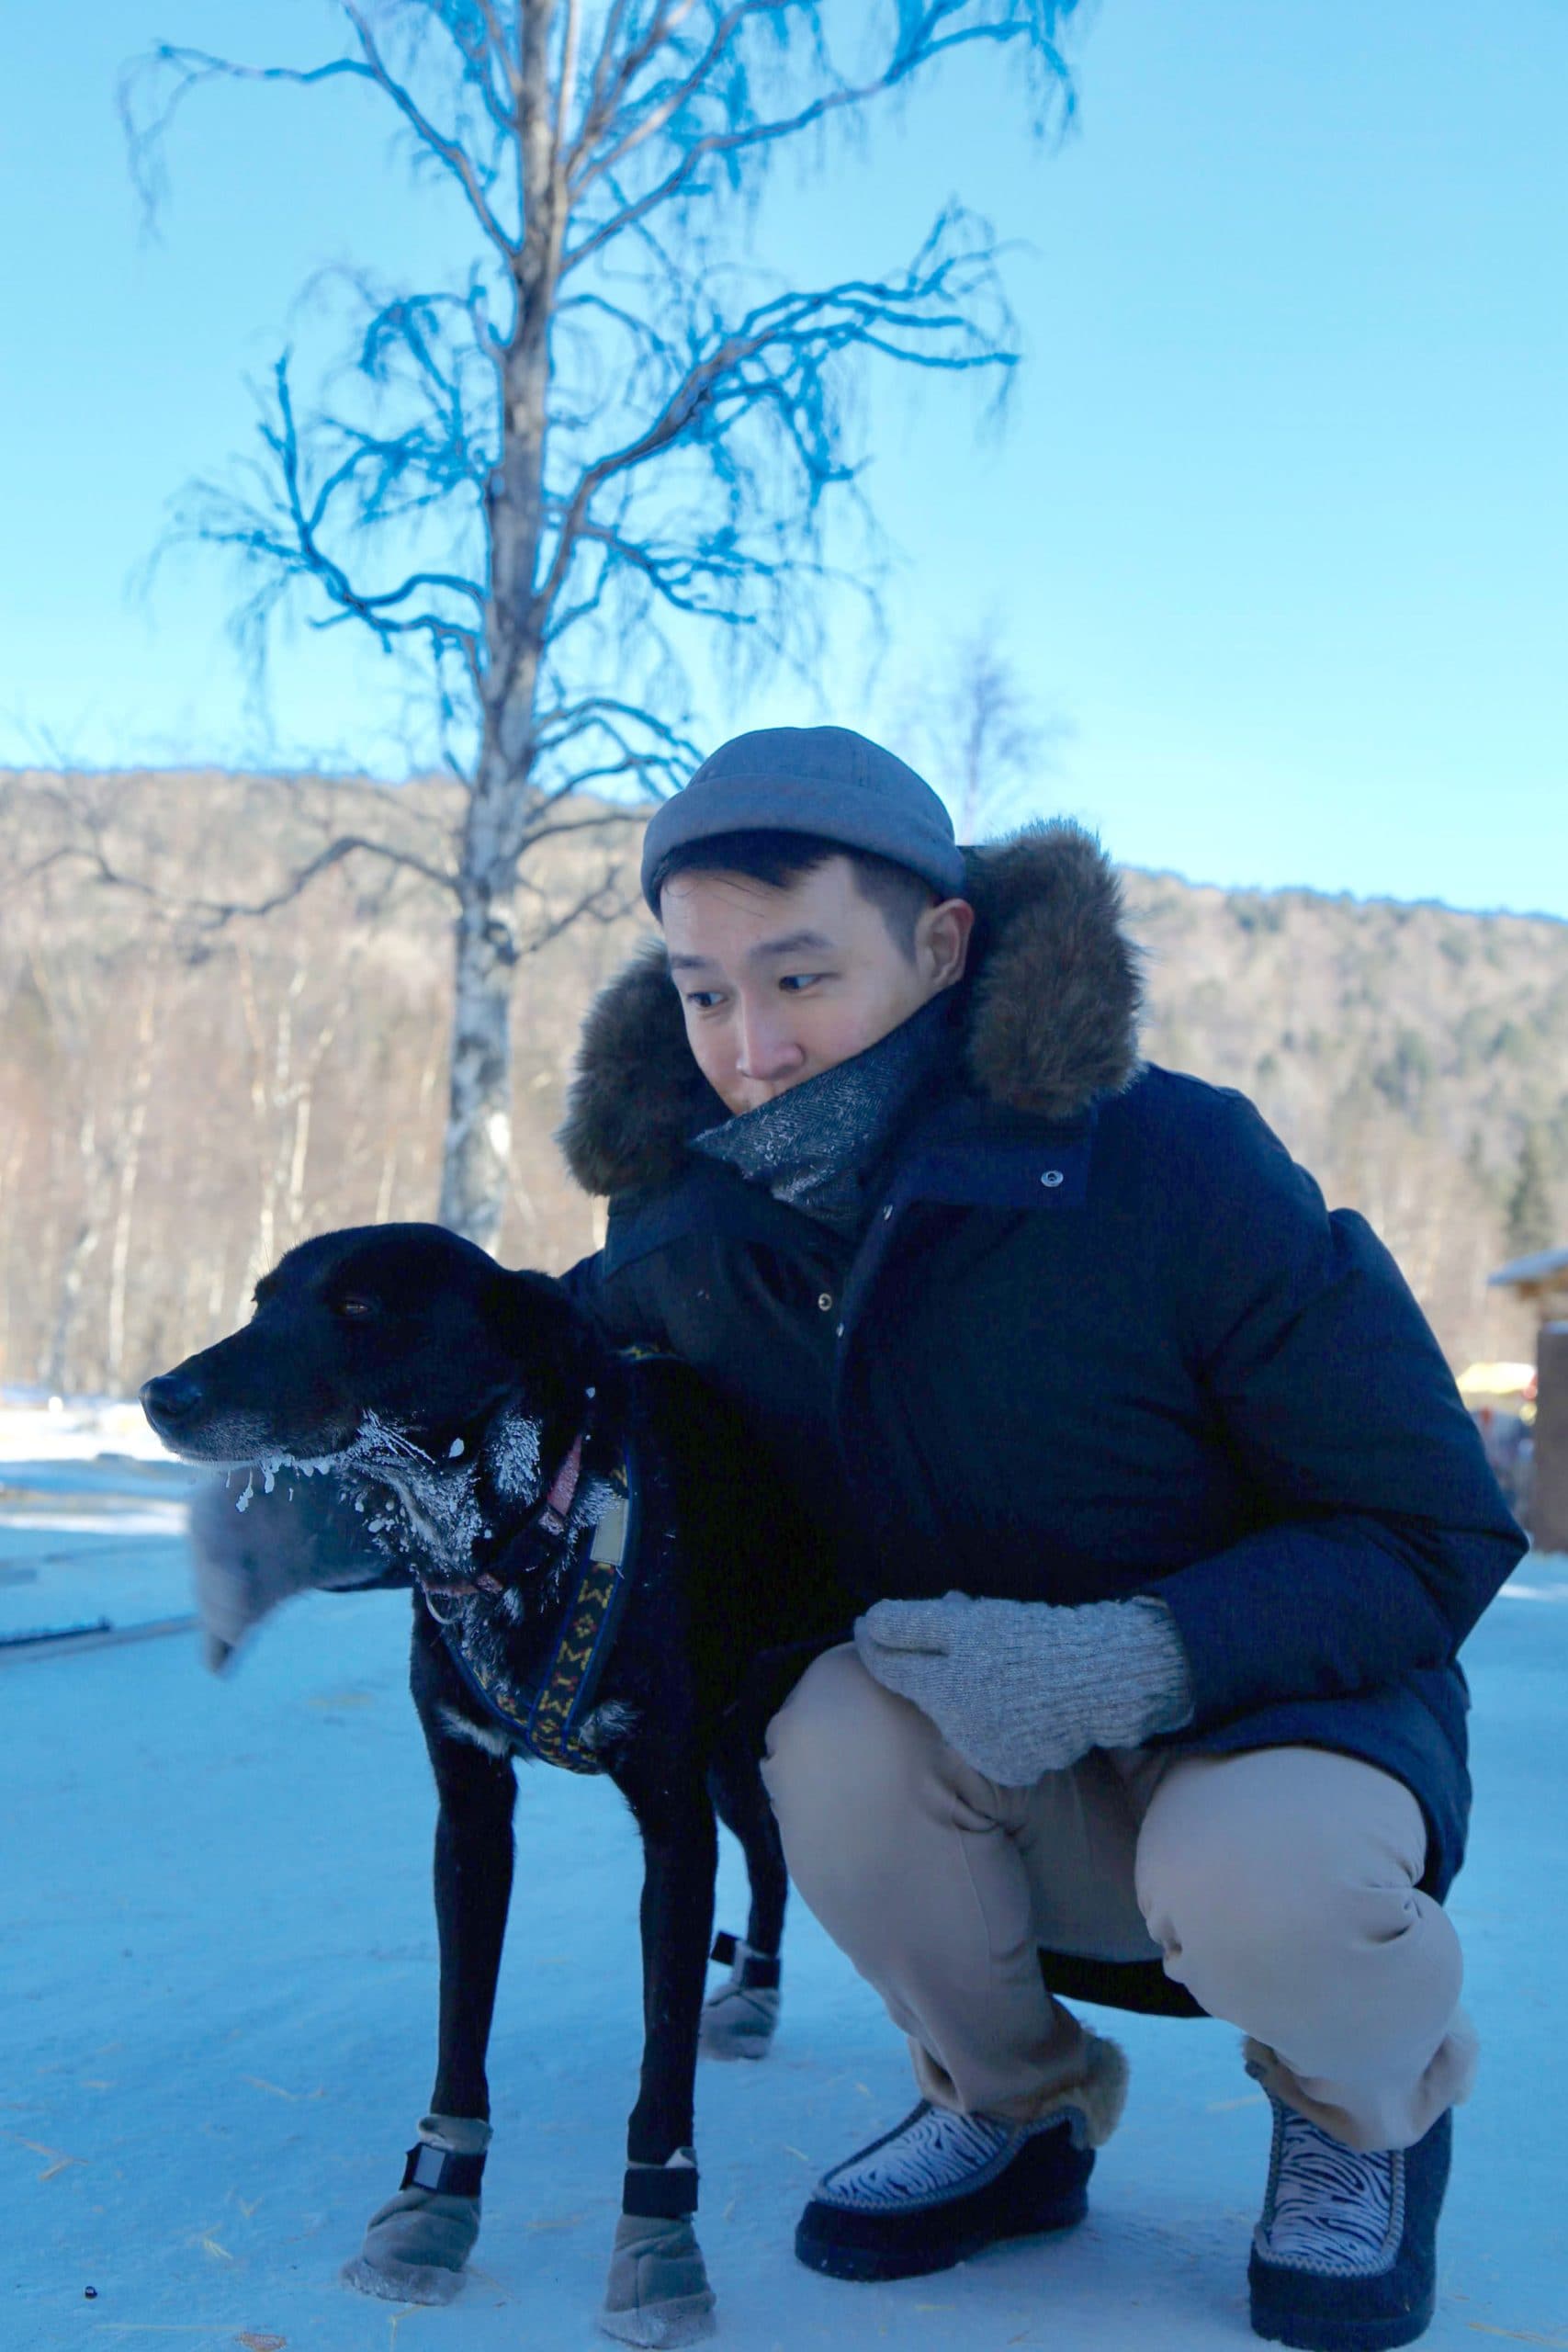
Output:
[[545, 1718]]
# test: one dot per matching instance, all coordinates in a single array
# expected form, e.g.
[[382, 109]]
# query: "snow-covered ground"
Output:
[[37, 1427], [217, 2003], [92, 1519]]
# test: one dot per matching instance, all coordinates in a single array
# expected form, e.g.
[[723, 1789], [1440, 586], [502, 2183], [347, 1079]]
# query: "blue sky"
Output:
[[1278, 527]]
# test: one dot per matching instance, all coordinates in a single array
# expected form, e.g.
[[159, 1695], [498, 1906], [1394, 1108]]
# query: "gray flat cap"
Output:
[[825, 780]]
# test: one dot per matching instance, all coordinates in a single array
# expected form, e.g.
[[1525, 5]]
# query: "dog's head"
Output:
[[373, 1345]]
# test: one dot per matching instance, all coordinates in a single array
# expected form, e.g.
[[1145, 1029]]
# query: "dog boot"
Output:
[[416, 2243], [1344, 2258], [657, 2290], [739, 2018]]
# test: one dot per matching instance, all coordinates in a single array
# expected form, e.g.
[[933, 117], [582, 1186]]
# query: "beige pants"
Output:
[[1280, 1887]]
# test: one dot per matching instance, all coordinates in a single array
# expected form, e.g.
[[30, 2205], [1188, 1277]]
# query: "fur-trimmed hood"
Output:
[[1051, 1008]]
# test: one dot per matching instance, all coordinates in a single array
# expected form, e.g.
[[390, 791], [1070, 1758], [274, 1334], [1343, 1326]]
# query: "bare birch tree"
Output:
[[614, 427], [988, 743]]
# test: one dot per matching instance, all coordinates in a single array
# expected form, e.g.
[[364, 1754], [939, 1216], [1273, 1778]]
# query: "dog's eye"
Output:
[[356, 1307]]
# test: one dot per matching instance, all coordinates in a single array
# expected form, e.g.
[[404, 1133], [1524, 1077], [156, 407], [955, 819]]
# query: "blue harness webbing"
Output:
[[546, 1719]]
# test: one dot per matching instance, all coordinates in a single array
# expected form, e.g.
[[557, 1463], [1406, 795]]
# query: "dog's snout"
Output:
[[171, 1398]]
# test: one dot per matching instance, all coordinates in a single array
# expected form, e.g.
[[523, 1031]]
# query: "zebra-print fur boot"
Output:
[[1344, 2258], [940, 2185]]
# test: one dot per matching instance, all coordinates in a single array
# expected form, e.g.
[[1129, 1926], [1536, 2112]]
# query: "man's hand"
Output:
[[1020, 1688]]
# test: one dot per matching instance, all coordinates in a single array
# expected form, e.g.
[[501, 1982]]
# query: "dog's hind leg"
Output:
[[658, 2291], [739, 2019], [415, 2245]]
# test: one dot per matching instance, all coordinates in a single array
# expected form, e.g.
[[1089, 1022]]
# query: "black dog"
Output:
[[602, 1579]]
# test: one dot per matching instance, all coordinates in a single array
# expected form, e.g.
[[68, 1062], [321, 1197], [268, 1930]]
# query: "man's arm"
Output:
[[624, 1308], [1386, 1533]]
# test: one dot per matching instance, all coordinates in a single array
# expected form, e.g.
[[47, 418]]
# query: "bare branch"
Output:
[[772, 361], [583, 825], [482, 58], [217, 518], [215, 914], [920, 41], [192, 67], [347, 845], [593, 902], [447, 152], [641, 129], [612, 80]]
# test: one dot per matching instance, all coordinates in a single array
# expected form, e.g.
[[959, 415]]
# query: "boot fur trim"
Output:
[[1099, 2098]]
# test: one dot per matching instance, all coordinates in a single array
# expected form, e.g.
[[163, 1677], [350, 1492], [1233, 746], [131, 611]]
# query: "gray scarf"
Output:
[[819, 1146]]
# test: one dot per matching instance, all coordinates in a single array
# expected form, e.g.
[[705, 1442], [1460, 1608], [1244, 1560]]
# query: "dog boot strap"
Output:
[[665, 2192], [754, 1972], [443, 2170]]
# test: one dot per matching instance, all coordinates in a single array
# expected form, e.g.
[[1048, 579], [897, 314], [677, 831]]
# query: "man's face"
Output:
[[778, 986]]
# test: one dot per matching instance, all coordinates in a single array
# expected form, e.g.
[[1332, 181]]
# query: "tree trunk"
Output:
[[479, 1116], [129, 1170], [478, 1120], [89, 1233]]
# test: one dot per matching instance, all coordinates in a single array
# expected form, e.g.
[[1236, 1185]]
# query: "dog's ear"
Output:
[[546, 1328]]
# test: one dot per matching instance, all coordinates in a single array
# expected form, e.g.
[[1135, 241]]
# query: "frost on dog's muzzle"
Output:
[[276, 1466]]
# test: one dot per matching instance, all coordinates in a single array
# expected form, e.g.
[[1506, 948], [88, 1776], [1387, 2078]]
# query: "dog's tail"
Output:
[[304, 1536]]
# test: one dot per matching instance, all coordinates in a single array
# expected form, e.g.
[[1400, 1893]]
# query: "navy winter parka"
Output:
[[1100, 1336]]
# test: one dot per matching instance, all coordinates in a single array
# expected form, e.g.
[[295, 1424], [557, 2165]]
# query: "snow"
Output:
[[219, 2008], [87, 1538], [36, 1427]]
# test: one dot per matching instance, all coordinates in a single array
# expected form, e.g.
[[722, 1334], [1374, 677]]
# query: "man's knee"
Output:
[[1286, 1899], [843, 1756]]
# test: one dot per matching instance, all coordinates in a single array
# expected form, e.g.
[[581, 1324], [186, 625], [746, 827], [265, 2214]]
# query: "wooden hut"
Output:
[[1542, 1282]]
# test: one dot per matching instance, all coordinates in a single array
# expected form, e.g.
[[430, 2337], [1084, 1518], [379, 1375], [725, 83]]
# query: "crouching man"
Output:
[[1167, 1518]]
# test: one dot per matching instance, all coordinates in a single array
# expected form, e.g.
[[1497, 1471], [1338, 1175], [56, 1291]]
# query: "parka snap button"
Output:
[[826, 1302], [1052, 1177]]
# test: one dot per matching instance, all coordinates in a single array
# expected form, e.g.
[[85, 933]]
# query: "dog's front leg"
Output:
[[416, 2245], [658, 2291]]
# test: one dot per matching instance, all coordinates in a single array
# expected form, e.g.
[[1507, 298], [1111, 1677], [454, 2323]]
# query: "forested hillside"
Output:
[[184, 1093]]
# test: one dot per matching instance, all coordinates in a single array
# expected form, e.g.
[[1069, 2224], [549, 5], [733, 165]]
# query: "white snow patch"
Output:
[[74, 1429], [152, 1519]]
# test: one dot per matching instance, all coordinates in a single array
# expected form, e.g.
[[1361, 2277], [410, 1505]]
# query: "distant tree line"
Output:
[[180, 1100]]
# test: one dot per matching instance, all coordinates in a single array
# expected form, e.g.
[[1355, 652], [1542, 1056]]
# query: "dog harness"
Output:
[[543, 1717]]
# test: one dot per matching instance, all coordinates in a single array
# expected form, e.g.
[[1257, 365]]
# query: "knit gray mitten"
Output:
[[416, 2243], [1022, 1688], [657, 2290]]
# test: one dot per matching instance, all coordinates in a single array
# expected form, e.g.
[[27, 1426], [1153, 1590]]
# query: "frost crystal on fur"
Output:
[[614, 1720], [490, 1736], [512, 1456]]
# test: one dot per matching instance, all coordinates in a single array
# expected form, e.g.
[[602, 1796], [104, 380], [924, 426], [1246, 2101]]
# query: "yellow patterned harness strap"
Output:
[[546, 1720], [587, 1634]]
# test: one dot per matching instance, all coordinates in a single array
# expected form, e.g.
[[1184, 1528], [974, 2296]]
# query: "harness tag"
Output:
[[610, 1536]]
